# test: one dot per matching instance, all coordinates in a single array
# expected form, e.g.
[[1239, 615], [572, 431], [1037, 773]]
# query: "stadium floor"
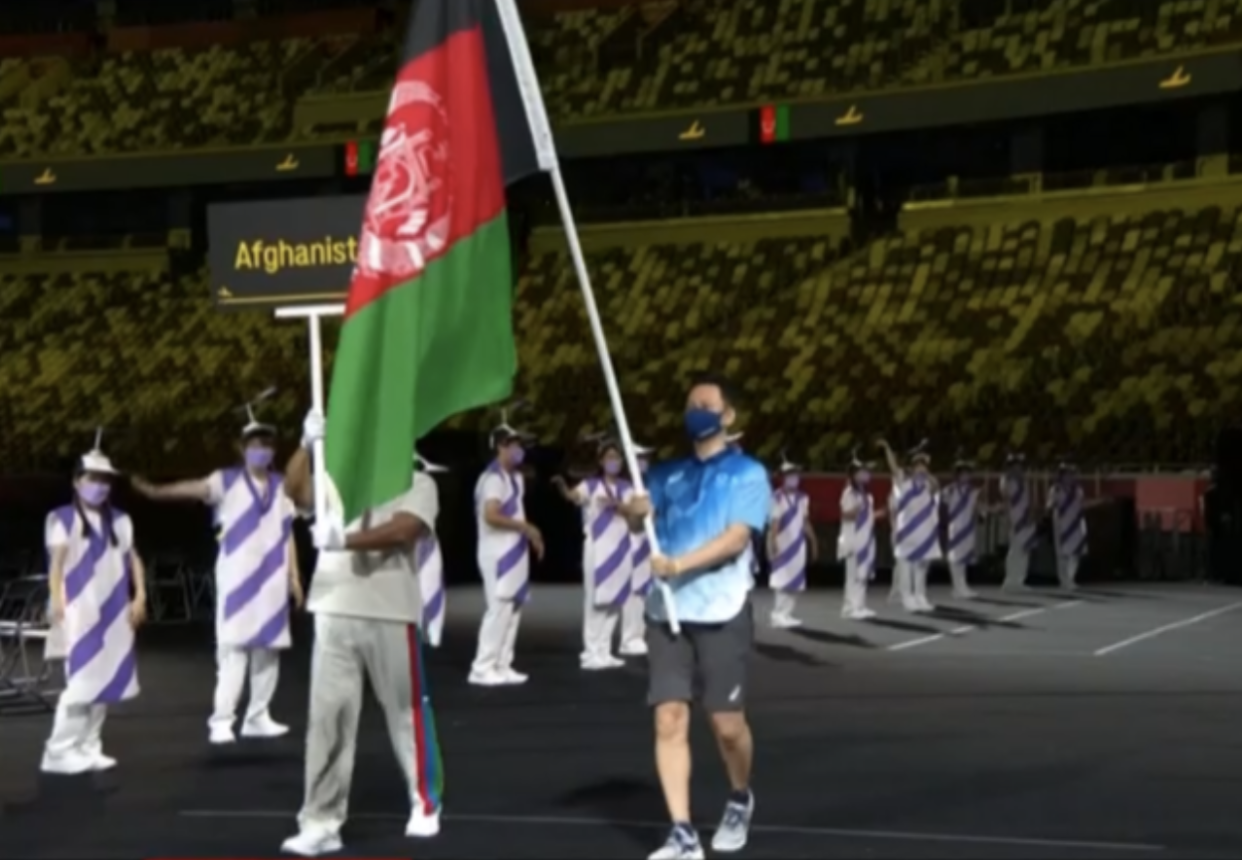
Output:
[[1003, 728]]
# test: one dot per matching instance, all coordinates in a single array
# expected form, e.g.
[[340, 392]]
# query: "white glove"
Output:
[[329, 533], [313, 428]]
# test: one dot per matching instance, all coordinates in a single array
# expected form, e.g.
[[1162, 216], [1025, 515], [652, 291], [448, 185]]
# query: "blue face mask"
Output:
[[703, 424]]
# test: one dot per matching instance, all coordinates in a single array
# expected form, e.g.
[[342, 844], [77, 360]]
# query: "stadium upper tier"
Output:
[[1111, 334], [593, 63]]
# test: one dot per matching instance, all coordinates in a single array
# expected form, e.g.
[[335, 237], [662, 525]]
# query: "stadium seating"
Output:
[[594, 63]]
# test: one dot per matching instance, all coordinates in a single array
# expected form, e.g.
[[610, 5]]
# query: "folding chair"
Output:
[[168, 590], [25, 668]]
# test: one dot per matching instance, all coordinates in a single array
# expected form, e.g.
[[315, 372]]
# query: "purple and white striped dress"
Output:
[[503, 556], [961, 502], [788, 519], [1021, 521], [1069, 524], [100, 664], [856, 541], [916, 530], [430, 566], [252, 568], [607, 547]]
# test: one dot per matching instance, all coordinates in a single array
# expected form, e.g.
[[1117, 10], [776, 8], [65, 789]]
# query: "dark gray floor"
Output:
[[991, 730]]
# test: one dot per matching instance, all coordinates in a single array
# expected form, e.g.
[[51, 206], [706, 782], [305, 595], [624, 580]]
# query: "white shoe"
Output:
[[66, 764], [220, 735], [312, 843], [423, 825], [964, 594], [512, 677], [486, 679], [613, 662], [593, 665], [100, 762], [857, 614], [924, 604], [263, 727], [634, 649]]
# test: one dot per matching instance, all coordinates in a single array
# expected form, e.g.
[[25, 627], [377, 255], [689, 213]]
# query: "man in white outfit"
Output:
[[504, 544], [367, 607], [856, 540]]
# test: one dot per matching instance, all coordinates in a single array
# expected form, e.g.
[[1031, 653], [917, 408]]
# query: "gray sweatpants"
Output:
[[389, 653]]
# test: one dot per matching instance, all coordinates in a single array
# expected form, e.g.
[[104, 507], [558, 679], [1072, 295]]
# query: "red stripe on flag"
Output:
[[420, 728], [449, 166], [767, 124]]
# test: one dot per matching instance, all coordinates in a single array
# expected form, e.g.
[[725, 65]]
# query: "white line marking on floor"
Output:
[[967, 628], [566, 821], [1167, 628]]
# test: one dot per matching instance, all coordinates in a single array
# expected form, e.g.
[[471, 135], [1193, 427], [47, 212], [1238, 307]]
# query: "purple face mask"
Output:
[[259, 457], [862, 477], [93, 493], [516, 455], [790, 482], [612, 467]]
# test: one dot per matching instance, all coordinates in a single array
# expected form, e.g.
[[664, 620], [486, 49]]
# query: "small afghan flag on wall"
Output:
[[772, 123], [360, 158]]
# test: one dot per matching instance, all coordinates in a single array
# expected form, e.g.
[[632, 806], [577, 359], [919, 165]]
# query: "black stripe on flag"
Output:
[[431, 25]]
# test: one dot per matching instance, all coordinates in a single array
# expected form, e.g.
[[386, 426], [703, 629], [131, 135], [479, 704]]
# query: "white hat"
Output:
[[254, 427], [504, 432], [786, 466], [919, 451], [428, 466], [95, 460]]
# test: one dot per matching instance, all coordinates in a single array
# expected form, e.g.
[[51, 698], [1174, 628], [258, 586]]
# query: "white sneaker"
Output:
[[679, 846], [857, 614], [263, 727], [593, 665], [66, 763], [613, 662], [925, 605], [423, 825], [220, 735], [512, 677], [312, 843], [634, 649], [100, 762], [486, 679]]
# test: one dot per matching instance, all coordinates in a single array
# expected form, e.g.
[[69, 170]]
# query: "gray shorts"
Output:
[[715, 656]]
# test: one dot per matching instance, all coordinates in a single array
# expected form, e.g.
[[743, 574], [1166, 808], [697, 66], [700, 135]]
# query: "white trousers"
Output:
[[855, 588], [916, 578], [388, 654], [77, 729], [599, 624], [231, 664], [957, 574], [1067, 570], [1017, 563], [634, 622], [497, 636], [783, 604]]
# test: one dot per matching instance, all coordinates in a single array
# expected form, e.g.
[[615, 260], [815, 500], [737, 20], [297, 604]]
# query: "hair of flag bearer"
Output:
[[856, 541], [429, 562], [633, 614], [707, 508], [791, 544], [256, 576], [1015, 488], [915, 502], [366, 600], [96, 584], [963, 512], [1067, 506], [505, 542], [607, 564]]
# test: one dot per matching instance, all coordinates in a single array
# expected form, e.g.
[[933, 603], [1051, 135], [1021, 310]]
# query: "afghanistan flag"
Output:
[[428, 329]]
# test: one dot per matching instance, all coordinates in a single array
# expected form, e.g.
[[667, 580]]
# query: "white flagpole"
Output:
[[545, 150], [314, 314]]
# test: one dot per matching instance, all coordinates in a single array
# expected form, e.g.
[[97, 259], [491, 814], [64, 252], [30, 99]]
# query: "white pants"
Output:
[[1067, 570], [783, 604], [634, 622], [388, 653], [855, 588], [958, 575], [497, 636], [599, 624], [916, 581], [231, 663], [1017, 562], [77, 729]]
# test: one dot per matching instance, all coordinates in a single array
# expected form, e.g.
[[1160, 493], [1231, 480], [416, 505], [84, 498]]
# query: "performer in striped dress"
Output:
[[429, 563], [256, 575], [1016, 490], [1067, 504], [856, 542], [505, 542], [791, 544], [962, 509], [633, 615], [607, 551], [916, 529], [98, 598]]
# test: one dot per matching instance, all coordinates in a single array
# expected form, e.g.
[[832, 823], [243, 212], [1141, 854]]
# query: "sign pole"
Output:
[[314, 314]]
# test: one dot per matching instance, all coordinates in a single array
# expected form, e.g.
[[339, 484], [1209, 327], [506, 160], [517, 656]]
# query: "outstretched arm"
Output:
[[182, 491]]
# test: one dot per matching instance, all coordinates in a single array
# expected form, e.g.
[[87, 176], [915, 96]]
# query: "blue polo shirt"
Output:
[[694, 501]]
